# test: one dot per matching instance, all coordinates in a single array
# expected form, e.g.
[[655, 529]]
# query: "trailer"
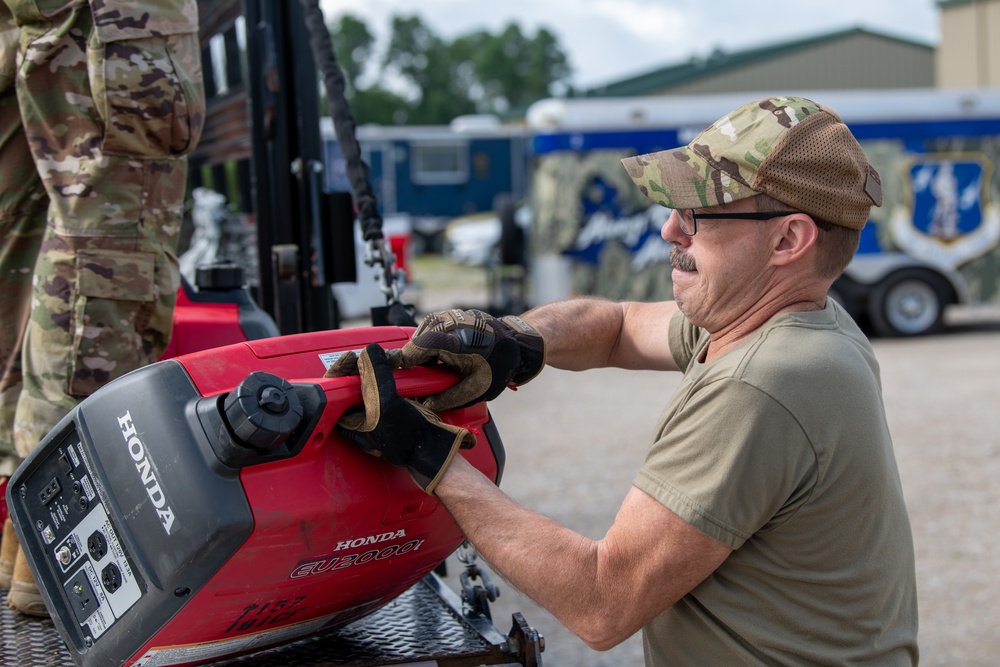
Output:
[[933, 243], [430, 174]]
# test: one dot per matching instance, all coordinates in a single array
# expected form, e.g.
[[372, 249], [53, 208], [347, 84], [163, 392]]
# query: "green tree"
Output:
[[354, 48], [424, 79], [352, 45], [377, 105], [512, 69], [426, 63]]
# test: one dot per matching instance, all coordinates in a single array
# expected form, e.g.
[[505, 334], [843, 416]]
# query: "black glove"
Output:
[[403, 432], [489, 353]]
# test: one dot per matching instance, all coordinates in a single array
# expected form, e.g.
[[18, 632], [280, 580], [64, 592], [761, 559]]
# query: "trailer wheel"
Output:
[[909, 303]]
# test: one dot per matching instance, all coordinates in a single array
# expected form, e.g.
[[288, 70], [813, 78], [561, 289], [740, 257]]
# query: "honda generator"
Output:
[[206, 506]]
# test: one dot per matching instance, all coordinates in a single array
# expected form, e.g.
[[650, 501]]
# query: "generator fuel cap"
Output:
[[263, 410]]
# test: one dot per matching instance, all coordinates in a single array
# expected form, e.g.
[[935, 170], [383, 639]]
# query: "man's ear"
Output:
[[797, 235]]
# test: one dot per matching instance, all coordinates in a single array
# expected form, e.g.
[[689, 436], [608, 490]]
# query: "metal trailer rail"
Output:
[[425, 625]]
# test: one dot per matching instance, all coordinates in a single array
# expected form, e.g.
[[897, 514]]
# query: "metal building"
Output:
[[847, 59], [969, 54]]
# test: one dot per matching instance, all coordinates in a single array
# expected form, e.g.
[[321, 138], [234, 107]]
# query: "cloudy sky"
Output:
[[607, 40]]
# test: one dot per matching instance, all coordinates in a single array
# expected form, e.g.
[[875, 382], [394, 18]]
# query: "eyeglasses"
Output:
[[689, 218]]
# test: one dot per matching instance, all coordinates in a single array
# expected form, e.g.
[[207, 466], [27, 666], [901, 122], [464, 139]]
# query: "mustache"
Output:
[[681, 261]]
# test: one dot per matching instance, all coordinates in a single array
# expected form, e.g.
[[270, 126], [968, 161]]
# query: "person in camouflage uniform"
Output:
[[100, 102]]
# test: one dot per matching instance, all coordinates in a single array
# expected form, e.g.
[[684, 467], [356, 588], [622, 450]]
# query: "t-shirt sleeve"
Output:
[[733, 461]]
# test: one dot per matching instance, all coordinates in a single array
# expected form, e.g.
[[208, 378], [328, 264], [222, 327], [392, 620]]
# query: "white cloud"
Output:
[[643, 19]]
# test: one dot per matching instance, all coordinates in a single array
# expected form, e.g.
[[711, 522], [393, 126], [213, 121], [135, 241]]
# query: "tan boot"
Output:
[[8, 552], [24, 595]]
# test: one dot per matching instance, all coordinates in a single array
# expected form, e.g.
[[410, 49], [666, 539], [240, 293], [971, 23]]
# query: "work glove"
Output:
[[488, 353], [401, 431]]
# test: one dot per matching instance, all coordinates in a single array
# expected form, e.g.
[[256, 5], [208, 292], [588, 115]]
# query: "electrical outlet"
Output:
[[50, 491], [97, 545], [111, 577], [81, 596]]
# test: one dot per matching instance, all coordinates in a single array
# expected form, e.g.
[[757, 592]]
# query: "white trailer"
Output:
[[934, 242]]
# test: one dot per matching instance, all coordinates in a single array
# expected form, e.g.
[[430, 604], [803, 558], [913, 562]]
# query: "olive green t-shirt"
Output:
[[780, 450]]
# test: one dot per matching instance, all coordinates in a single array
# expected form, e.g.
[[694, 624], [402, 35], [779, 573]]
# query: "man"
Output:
[[767, 524], [99, 104]]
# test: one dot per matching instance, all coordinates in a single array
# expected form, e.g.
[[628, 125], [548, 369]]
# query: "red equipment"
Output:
[[220, 312], [206, 506]]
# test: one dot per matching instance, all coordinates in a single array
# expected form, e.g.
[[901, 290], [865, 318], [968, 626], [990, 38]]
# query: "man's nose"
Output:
[[671, 230]]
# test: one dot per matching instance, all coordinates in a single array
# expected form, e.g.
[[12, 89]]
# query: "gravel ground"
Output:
[[575, 441]]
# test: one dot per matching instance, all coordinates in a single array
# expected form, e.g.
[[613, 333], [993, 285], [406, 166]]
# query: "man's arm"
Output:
[[594, 333], [604, 591]]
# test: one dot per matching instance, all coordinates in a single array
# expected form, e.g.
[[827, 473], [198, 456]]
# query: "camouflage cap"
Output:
[[790, 148]]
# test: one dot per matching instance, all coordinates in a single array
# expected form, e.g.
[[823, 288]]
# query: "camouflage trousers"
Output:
[[93, 138]]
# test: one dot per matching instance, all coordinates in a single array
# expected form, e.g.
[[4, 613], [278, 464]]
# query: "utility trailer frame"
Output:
[[427, 625]]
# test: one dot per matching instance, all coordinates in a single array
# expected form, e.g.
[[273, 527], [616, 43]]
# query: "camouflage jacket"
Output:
[[118, 19]]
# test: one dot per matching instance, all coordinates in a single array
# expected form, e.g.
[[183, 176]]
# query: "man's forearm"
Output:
[[554, 566], [579, 333], [592, 332]]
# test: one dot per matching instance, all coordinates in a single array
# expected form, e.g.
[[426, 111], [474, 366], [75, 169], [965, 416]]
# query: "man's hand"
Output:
[[403, 432], [489, 353]]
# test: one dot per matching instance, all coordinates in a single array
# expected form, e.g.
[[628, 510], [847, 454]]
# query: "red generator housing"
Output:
[[206, 505], [220, 312]]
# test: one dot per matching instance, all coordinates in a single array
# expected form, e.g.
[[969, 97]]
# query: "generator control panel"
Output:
[[82, 547]]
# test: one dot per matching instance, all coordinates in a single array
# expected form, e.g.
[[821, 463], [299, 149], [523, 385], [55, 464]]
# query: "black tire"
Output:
[[910, 302]]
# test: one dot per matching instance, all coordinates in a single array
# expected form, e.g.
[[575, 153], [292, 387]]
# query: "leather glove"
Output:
[[488, 353], [401, 431], [347, 363]]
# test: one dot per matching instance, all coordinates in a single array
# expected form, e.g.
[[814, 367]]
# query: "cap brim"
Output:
[[682, 179]]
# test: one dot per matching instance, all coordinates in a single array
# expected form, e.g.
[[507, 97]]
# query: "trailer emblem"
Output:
[[949, 219], [147, 474]]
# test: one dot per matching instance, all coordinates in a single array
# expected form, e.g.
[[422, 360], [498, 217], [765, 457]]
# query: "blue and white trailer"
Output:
[[934, 242], [432, 174]]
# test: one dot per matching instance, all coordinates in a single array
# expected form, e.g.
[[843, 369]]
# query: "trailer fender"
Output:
[[900, 296], [870, 270]]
